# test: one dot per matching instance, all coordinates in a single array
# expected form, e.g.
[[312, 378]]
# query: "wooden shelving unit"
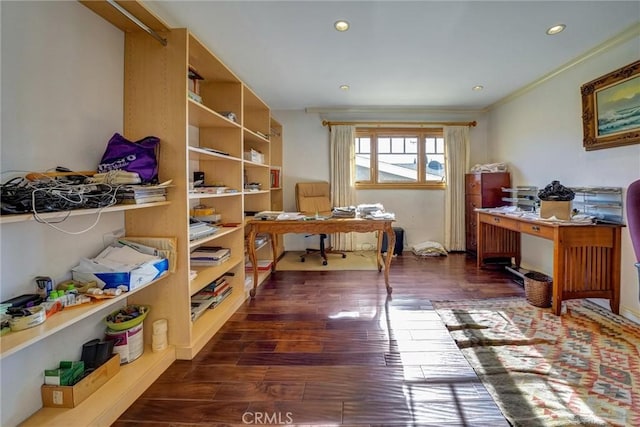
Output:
[[210, 136], [103, 407], [13, 342], [54, 216]]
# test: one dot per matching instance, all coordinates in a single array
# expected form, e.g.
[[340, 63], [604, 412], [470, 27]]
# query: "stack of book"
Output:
[[210, 296], [210, 255], [275, 178], [199, 229], [138, 194]]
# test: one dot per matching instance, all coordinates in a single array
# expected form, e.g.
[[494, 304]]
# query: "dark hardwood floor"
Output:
[[330, 348]]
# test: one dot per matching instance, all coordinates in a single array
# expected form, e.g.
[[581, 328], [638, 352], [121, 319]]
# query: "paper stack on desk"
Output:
[[344, 212], [290, 216], [375, 211]]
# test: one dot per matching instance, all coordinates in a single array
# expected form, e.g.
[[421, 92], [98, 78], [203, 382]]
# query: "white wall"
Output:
[[540, 135], [62, 99], [306, 157]]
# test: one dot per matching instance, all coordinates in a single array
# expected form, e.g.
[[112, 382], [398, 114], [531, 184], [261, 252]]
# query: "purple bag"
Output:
[[139, 156]]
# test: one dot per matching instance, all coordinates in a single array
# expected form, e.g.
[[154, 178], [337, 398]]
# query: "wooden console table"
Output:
[[586, 258], [332, 225]]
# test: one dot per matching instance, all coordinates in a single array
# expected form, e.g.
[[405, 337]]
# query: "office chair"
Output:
[[314, 198]]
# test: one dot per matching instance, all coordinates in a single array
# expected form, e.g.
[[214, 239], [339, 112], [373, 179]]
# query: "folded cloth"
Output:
[[429, 248], [490, 167]]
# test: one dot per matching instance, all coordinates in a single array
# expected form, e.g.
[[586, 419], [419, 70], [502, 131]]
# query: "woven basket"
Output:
[[537, 289]]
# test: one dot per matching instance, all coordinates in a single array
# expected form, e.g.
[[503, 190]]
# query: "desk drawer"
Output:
[[539, 230], [472, 202], [488, 186], [500, 221], [473, 184]]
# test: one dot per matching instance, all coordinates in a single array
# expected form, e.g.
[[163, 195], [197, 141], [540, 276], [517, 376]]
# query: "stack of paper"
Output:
[[210, 255], [344, 212], [138, 194], [199, 229]]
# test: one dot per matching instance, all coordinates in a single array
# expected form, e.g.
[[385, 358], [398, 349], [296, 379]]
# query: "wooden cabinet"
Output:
[[482, 190]]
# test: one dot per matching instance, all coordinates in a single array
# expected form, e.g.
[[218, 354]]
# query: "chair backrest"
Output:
[[313, 197], [633, 215]]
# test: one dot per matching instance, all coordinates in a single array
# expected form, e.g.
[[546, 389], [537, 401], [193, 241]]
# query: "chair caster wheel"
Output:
[[301, 259], [344, 255], [324, 262]]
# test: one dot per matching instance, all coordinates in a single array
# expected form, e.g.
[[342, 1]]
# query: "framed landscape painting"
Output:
[[611, 109]]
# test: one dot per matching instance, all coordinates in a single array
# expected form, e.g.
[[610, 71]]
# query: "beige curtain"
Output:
[[343, 192], [456, 141]]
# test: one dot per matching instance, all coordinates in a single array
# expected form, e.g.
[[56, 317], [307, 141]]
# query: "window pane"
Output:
[[397, 168], [363, 145], [363, 159], [384, 145], [398, 156], [397, 145], [431, 145], [411, 145], [434, 149]]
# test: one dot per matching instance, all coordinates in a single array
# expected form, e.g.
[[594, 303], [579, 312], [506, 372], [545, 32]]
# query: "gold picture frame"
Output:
[[611, 109]]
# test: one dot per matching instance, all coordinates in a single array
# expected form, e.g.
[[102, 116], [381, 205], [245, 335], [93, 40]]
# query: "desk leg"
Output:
[[558, 276], [479, 242], [274, 245], [391, 244], [616, 261], [379, 253], [254, 262]]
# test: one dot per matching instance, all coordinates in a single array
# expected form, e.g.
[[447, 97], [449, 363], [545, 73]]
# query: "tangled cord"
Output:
[[45, 195]]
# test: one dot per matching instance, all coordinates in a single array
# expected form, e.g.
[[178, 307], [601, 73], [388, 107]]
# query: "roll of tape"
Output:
[[156, 348], [160, 326], [159, 338], [38, 316]]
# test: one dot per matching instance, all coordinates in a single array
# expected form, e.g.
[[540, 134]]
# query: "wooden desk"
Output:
[[586, 258], [332, 225]]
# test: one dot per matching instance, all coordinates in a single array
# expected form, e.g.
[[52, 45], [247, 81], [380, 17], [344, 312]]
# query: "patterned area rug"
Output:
[[581, 368]]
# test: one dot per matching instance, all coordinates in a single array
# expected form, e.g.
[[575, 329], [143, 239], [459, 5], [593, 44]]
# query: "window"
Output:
[[399, 158]]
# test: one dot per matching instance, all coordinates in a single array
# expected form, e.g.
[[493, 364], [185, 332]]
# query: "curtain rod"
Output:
[[136, 21], [406, 124]]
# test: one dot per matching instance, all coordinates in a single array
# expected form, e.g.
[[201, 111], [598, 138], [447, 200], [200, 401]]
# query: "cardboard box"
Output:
[[54, 396], [561, 210], [132, 279]]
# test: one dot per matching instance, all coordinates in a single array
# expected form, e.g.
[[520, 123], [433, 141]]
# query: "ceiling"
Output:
[[397, 54]]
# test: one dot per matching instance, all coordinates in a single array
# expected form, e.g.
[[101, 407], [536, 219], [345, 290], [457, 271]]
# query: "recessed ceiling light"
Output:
[[477, 88], [341, 25], [344, 87], [556, 29]]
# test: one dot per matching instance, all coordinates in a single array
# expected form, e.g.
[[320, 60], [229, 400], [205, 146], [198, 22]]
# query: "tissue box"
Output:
[[133, 279], [561, 210]]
